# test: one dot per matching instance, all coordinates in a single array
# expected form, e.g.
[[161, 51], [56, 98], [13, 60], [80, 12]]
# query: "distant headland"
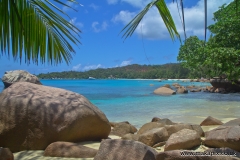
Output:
[[134, 71]]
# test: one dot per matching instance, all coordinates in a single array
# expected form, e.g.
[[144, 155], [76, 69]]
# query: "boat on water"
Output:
[[91, 78]]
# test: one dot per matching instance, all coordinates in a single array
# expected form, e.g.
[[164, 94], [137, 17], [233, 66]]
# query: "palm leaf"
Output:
[[183, 20], [164, 13], [34, 29], [167, 18], [205, 29]]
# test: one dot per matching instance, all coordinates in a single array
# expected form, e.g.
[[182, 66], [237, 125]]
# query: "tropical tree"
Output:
[[224, 45], [36, 30], [226, 26], [192, 55], [220, 56]]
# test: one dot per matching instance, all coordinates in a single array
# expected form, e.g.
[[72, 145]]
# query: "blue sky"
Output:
[[102, 45]]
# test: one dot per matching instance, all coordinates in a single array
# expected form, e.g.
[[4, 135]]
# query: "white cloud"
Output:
[[91, 67], [94, 6], [124, 16], [77, 67], [125, 63], [112, 1], [152, 26], [74, 22], [99, 27]]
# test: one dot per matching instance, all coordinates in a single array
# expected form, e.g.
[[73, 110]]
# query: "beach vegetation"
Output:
[[220, 55]]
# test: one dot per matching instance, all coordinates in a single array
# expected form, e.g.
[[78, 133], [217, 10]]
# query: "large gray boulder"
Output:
[[210, 121], [183, 139], [154, 136], [224, 136], [234, 122], [11, 77], [124, 150], [177, 127], [122, 128], [164, 91], [33, 116], [130, 136], [149, 126], [70, 150]]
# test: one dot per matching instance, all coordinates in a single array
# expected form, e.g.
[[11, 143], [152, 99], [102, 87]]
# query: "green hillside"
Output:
[[171, 70]]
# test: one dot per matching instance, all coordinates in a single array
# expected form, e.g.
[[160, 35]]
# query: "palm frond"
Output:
[[167, 18], [205, 24], [183, 20], [164, 13], [33, 28]]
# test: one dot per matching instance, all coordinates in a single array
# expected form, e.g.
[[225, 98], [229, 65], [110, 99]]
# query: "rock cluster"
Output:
[[218, 86], [178, 139], [177, 89], [225, 85]]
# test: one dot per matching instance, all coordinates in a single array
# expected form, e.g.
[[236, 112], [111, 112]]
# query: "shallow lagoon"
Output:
[[134, 101]]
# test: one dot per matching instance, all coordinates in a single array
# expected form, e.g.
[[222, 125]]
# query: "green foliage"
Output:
[[131, 72], [223, 61], [191, 55], [35, 29], [221, 54], [226, 29]]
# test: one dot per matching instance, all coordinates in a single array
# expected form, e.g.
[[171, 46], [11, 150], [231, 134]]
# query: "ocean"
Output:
[[134, 101]]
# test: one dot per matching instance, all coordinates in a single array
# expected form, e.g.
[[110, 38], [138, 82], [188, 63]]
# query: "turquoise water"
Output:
[[134, 101]]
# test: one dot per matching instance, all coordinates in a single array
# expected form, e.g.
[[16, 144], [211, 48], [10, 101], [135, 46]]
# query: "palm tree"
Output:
[[33, 29], [166, 17]]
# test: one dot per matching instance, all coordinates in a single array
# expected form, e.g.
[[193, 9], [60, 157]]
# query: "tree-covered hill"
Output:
[[171, 70]]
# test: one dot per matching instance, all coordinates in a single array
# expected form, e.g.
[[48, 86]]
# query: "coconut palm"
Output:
[[165, 15], [34, 30]]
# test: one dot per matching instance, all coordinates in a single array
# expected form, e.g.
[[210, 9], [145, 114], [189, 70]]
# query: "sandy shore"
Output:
[[38, 154]]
